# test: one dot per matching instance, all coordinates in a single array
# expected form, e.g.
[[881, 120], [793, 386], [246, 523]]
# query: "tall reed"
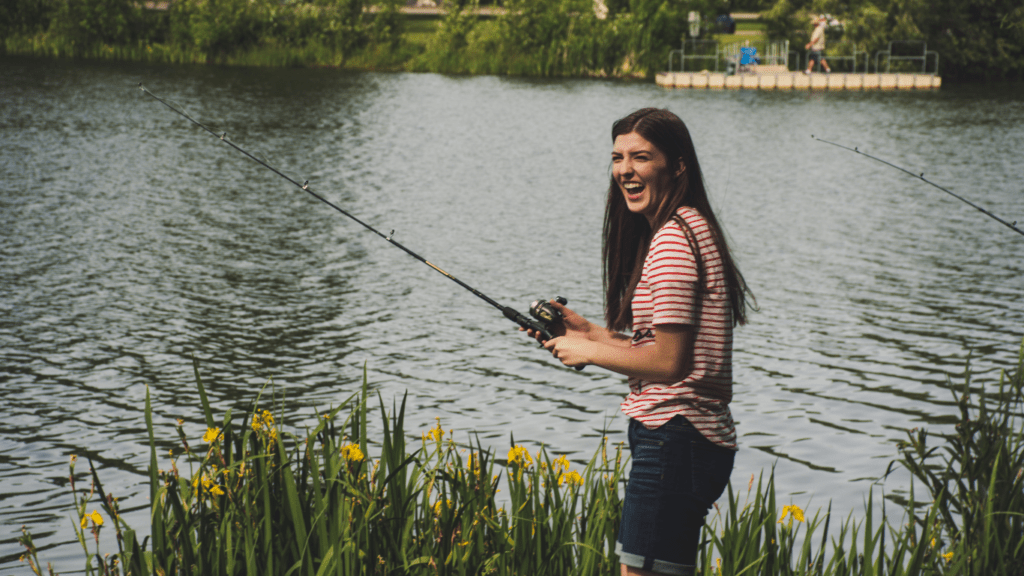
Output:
[[252, 496]]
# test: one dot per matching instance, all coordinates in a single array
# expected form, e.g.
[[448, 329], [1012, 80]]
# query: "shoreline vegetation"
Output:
[[253, 497], [975, 39]]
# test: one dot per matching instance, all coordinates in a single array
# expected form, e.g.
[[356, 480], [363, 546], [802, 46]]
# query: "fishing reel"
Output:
[[548, 315], [546, 321]]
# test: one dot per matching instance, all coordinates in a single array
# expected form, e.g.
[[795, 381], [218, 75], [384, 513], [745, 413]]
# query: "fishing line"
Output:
[[547, 316], [920, 176]]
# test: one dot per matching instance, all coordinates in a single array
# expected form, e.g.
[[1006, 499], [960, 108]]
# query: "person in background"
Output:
[[816, 46]]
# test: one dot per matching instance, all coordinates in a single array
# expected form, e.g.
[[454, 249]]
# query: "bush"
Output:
[[24, 17], [84, 24]]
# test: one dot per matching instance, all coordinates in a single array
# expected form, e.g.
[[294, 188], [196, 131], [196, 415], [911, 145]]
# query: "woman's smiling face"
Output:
[[642, 172]]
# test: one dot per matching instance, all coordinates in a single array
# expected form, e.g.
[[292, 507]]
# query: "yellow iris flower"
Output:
[[437, 506], [794, 511], [560, 464], [435, 433], [352, 452], [520, 457], [212, 435], [262, 421], [572, 477], [95, 517]]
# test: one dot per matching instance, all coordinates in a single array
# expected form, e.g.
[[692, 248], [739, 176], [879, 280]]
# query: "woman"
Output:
[[670, 280]]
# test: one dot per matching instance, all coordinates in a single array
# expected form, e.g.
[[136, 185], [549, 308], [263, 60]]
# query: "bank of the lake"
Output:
[[972, 40]]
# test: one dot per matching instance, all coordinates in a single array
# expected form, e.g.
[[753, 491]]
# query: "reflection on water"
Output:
[[131, 241]]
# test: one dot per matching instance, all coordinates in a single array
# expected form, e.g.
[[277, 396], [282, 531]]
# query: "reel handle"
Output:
[[546, 315]]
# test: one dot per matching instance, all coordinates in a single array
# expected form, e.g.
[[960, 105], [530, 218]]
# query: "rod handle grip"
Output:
[[530, 324]]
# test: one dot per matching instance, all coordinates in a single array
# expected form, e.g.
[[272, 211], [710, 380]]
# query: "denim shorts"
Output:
[[676, 476]]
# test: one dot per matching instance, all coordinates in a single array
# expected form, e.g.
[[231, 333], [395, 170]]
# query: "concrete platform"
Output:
[[798, 81]]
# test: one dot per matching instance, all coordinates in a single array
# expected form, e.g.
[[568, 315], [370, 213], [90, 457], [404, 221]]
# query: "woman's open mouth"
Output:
[[633, 190]]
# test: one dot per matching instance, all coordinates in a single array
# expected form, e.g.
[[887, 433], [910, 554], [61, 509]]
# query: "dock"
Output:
[[797, 81]]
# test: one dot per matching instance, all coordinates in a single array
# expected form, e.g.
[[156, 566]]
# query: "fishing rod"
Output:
[[920, 176], [546, 318]]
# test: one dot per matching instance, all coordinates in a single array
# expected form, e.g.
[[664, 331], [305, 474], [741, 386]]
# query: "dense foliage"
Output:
[[328, 32], [560, 38], [535, 37], [975, 39], [251, 498]]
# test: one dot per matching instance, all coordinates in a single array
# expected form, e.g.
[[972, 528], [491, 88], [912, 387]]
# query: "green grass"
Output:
[[747, 25]]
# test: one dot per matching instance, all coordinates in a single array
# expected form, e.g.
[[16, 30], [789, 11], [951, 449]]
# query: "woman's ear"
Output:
[[680, 168]]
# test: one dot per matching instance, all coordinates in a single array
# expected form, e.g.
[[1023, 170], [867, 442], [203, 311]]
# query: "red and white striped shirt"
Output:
[[667, 294]]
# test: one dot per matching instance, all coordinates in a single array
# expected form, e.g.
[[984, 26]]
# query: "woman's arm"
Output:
[[579, 327], [576, 326], [669, 359]]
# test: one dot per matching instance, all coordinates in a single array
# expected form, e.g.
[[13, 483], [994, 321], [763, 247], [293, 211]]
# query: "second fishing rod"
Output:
[[546, 319]]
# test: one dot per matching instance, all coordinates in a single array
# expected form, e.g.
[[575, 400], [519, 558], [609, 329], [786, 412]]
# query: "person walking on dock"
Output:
[[816, 46]]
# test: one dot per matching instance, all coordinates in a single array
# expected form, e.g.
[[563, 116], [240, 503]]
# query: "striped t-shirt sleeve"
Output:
[[671, 279]]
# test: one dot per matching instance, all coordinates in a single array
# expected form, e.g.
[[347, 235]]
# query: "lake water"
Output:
[[130, 240]]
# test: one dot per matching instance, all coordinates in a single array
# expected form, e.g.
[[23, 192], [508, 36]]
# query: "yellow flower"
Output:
[[560, 464], [796, 512], [95, 517], [263, 420], [207, 484], [520, 457], [572, 477], [212, 435], [948, 556], [435, 433], [352, 452], [437, 506], [273, 433]]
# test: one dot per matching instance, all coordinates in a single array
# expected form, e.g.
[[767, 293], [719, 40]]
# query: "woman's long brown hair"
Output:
[[627, 236]]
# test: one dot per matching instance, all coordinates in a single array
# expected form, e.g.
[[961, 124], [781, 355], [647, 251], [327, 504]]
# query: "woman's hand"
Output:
[[572, 325], [575, 326], [571, 351], [668, 359]]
